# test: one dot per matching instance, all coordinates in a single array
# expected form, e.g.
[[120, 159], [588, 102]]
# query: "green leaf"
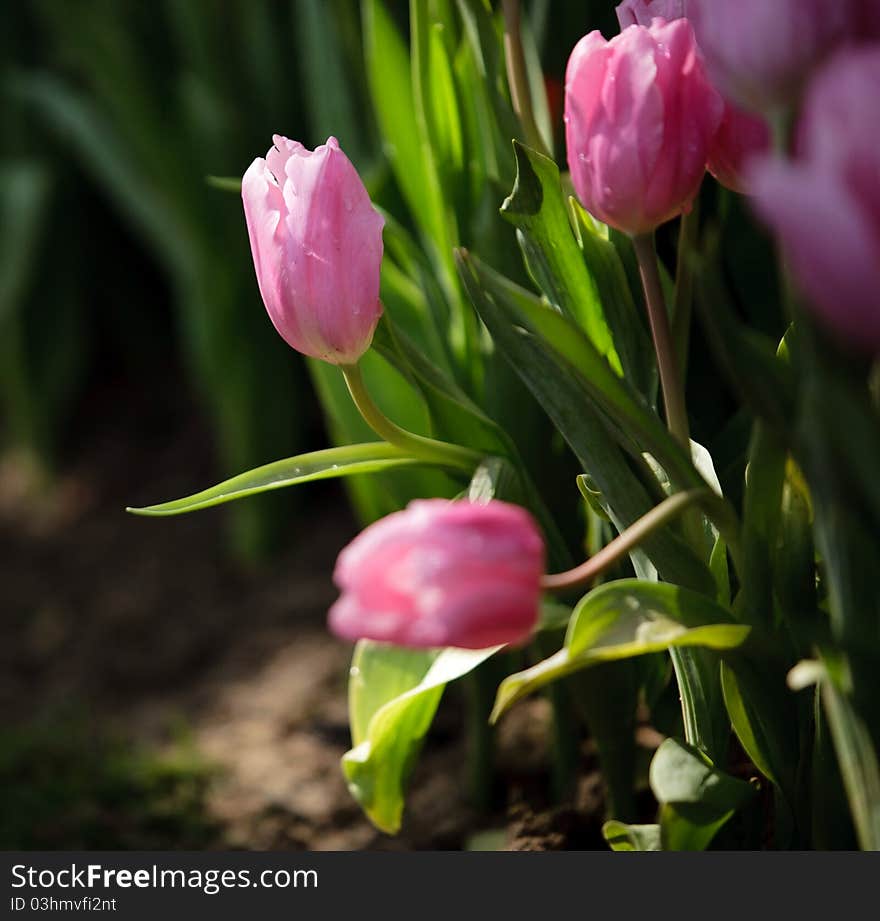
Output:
[[407, 271], [393, 695], [348, 460], [87, 130], [537, 209], [454, 415], [630, 611], [621, 837], [762, 507], [745, 728], [630, 419], [720, 570], [495, 123], [565, 395], [764, 720], [442, 108], [399, 88], [681, 774], [855, 751], [696, 799], [795, 558], [554, 616], [706, 723], [25, 187], [385, 492], [624, 317], [838, 447], [390, 81], [225, 183], [627, 618], [494, 478], [748, 358], [322, 59]]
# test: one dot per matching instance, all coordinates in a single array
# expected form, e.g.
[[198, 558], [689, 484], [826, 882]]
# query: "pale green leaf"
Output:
[[393, 695], [347, 460], [624, 619]]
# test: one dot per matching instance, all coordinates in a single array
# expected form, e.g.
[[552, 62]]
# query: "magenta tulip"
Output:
[[640, 116], [825, 205], [442, 573], [741, 134], [761, 52], [316, 240]]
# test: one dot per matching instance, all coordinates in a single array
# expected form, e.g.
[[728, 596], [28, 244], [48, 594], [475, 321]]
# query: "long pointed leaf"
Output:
[[347, 460]]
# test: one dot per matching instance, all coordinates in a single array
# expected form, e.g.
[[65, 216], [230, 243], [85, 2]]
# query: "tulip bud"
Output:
[[741, 136], [825, 205], [442, 573], [760, 52], [316, 241], [640, 116]]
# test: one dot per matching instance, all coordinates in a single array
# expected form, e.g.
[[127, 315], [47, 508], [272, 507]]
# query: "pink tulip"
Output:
[[643, 12], [640, 116], [317, 246], [442, 573], [761, 52], [825, 205], [741, 136]]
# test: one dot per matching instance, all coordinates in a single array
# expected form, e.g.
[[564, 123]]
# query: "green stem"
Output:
[[565, 739], [428, 449], [667, 363], [684, 287], [517, 76], [662, 514], [480, 686], [606, 697]]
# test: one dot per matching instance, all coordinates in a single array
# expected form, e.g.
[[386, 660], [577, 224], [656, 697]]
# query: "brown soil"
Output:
[[147, 626]]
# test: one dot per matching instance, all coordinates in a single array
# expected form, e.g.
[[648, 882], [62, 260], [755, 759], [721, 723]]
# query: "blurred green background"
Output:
[[118, 259]]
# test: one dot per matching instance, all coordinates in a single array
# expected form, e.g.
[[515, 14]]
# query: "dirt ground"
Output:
[[146, 629]]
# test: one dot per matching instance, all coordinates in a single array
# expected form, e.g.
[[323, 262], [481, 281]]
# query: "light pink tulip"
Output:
[[442, 573], [761, 52], [643, 12], [640, 116], [316, 240], [825, 205]]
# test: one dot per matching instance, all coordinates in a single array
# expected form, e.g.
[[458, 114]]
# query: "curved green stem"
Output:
[[517, 76], [662, 514], [667, 361], [428, 449]]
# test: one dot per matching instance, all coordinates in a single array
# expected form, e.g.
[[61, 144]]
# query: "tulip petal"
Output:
[[442, 574], [317, 247], [831, 244]]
